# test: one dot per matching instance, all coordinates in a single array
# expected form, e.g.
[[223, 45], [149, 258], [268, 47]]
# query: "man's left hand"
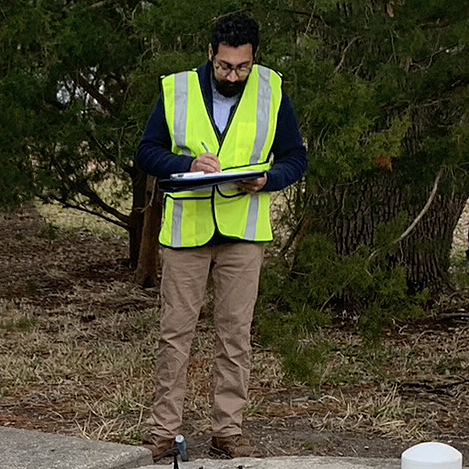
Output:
[[252, 185]]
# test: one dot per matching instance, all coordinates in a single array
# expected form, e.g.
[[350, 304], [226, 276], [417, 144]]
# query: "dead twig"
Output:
[[344, 53], [418, 217]]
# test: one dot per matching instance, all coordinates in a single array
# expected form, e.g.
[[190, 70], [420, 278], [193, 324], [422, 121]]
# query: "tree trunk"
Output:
[[351, 214], [148, 261], [137, 215]]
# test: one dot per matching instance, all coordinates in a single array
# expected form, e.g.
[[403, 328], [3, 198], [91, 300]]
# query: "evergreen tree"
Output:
[[77, 83], [380, 90], [382, 94]]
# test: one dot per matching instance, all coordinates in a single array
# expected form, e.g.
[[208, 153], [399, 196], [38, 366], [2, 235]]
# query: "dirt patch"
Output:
[[78, 346]]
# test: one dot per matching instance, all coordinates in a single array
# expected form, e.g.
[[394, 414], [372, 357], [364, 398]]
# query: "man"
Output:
[[227, 114]]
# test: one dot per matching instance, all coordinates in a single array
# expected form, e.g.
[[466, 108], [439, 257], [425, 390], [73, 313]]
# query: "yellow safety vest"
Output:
[[191, 217]]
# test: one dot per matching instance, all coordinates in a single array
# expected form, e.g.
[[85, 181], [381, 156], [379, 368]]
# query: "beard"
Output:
[[229, 88]]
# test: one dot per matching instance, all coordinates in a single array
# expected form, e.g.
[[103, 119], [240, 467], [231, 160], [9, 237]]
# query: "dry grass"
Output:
[[382, 412], [77, 355]]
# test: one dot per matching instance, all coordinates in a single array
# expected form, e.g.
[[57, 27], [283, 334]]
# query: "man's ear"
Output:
[[210, 52]]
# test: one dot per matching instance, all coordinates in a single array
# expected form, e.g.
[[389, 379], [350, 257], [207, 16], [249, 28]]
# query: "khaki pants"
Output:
[[235, 269]]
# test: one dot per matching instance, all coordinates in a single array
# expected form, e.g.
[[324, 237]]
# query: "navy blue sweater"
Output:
[[155, 157]]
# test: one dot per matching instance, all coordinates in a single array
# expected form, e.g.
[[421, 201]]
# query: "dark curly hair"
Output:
[[235, 29]]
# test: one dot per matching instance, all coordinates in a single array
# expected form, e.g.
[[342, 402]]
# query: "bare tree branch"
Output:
[[102, 147], [424, 209], [344, 53], [96, 200], [98, 4], [66, 204], [418, 217], [436, 25], [94, 92]]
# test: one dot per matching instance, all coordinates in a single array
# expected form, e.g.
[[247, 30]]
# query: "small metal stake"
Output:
[[181, 449]]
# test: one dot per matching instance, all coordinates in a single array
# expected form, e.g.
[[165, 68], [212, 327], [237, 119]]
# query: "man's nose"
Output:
[[232, 76]]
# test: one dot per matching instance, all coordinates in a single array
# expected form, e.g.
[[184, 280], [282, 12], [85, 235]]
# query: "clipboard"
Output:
[[192, 180]]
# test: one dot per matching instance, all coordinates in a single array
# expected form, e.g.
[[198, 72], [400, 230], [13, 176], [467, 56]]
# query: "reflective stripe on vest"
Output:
[[245, 146], [250, 232], [263, 110], [180, 97], [176, 218]]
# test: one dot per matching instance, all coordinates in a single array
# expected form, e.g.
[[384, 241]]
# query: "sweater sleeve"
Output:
[[289, 152], [154, 155]]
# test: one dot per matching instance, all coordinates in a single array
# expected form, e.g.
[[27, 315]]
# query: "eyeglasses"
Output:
[[225, 68]]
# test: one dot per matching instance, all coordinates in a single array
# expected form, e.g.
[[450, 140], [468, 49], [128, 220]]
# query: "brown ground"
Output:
[[77, 347]]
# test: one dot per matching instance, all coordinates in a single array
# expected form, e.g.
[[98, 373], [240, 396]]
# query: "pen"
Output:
[[207, 149]]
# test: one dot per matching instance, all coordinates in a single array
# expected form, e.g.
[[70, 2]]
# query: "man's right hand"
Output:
[[206, 162]]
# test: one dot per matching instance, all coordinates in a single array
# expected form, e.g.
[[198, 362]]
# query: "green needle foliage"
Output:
[[323, 288]]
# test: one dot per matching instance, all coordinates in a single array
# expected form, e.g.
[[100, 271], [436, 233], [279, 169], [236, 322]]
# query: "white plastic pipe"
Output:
[[431, 455]]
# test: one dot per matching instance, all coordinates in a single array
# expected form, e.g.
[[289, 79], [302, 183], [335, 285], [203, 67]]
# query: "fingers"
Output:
[[253, 185], [206, 162], [209, 163]]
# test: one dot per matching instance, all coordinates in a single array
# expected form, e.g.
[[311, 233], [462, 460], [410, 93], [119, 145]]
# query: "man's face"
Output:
[[231, 67]]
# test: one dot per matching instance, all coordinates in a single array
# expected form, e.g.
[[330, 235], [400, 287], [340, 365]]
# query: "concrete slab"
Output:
[[297, 462], [290, 462], [26, 449]]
